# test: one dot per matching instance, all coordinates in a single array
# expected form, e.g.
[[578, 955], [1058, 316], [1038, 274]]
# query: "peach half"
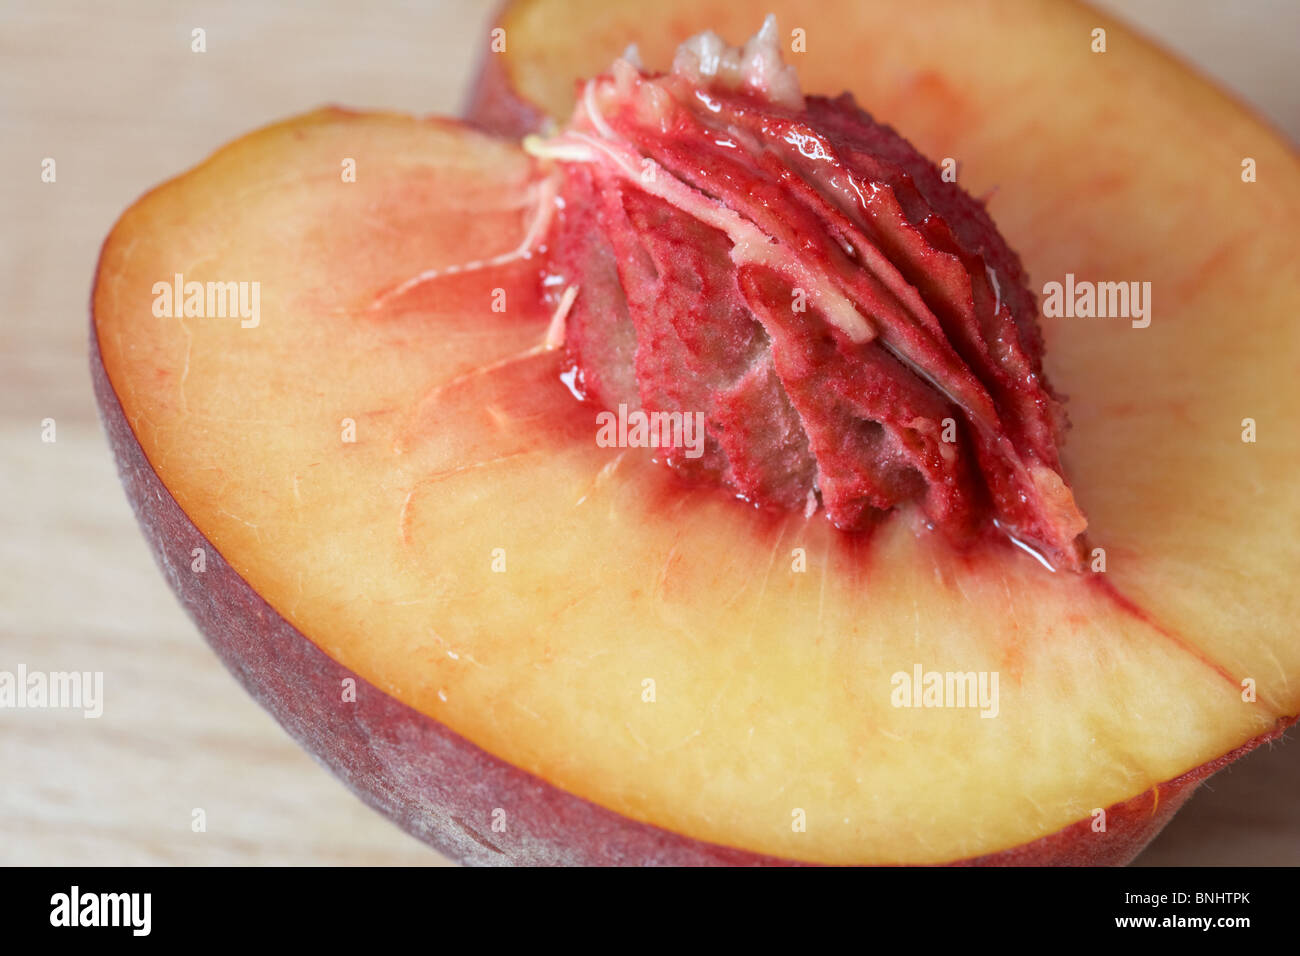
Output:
[[527, 648]]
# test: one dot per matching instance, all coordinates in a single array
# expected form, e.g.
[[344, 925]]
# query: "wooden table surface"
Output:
[[114, 95]]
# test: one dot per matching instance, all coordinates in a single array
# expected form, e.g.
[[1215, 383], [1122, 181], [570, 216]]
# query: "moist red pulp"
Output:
[[855, 330]]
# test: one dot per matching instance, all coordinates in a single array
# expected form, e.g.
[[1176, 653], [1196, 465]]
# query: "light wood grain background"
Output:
[[114, 94]]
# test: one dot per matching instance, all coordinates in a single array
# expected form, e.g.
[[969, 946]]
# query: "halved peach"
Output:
[[526, 647]]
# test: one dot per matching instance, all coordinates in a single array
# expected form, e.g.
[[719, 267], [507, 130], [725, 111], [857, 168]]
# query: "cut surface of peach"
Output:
[[667, 652]]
